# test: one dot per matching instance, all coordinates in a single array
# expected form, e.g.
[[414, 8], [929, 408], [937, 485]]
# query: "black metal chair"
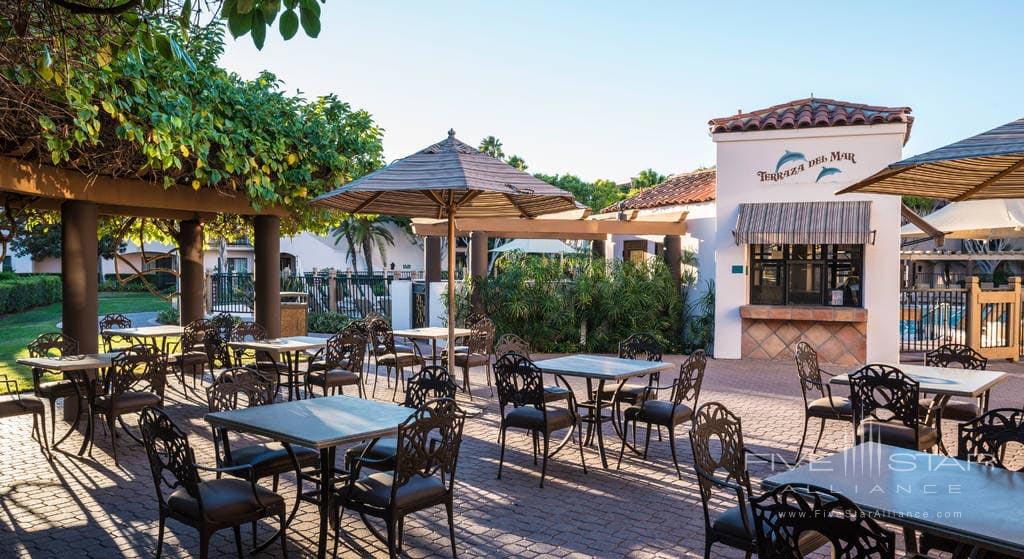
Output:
[[123, 391], [197, 347], [224, 323], [886, 409], [722, 468], [423, 477], [338, 364], [520, 384], [208, 506], [819, 402], [53, 344], [787, 516], [243, 387], [511, 343], [15, 404], [983, 440], [114, 322], [670, 413], [477, 352], [391, 356], [965, 357], [262, 361], [431, 382]]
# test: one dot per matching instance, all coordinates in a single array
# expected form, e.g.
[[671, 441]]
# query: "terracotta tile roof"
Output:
[[810, 113], [685, 188]]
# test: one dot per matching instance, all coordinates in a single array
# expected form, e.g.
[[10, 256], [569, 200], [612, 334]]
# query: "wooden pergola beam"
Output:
[[590, 229], [927, 228], [116, 196]]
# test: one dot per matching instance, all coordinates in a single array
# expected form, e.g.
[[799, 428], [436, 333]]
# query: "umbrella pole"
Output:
[[451, 291]]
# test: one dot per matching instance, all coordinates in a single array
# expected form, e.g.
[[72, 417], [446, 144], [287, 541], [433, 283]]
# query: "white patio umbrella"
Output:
[[536, 246], [974, 219], [445, 180]]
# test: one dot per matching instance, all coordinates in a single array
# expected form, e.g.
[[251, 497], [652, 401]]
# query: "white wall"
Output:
[[742, 154], [320, 252], [401, 304]]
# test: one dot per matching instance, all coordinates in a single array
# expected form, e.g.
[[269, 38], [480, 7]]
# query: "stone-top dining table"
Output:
[[968, 502], [321, 424], [431, 333], [291, 347], [600, 368], [82, 370]]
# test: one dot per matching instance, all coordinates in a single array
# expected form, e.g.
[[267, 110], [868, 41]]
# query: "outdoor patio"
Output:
[[91, 508]]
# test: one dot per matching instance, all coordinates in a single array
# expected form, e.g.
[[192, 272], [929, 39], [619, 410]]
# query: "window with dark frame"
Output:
[[806, 275]]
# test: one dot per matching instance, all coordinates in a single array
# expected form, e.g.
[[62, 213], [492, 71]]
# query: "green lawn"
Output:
[[21, 328]]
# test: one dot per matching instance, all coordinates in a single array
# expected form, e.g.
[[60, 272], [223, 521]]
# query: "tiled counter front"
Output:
[[838, 334]]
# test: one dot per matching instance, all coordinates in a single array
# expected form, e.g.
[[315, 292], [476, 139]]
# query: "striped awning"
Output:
[[804, 223]]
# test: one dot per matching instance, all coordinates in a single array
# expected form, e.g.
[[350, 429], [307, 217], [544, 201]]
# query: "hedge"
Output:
[[19, 292], [326, 322]]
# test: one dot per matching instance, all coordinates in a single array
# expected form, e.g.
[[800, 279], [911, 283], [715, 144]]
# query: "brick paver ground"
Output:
[[82, 507]]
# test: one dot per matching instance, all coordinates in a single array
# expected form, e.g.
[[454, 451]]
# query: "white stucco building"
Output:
[[823, 273]]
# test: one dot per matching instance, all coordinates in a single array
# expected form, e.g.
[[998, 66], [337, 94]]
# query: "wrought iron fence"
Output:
[[995, 325], [932, 317], [317, 287], [360, 295], [419, 304], [232, 293]]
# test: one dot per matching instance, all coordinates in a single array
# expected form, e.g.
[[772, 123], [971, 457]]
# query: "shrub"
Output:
[[21, 292], [326, 322], [169, 316], [582, 304]]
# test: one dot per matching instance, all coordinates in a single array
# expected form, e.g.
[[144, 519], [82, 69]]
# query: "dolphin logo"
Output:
[[789, 157], [826, 171]]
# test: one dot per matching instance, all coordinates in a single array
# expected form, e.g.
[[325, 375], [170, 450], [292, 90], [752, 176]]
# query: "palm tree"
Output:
[[492, 146], [517, 162], [368, 232], [647, 178]]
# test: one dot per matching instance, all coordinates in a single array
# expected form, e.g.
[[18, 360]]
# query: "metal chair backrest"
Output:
[[114, 321], [784, 515], [643, 347], [987, 438], [883, 393], [52, 344], [691, 377], [135, 365], [431, 382], [725, 467], [428, 444], [171, 459], [473, 318], [199, 335], [481, 337], [225, 323], [511, 343], [239, 387], [519, 382], [247, 332], [956, 354], [809, 370], [348, 345]]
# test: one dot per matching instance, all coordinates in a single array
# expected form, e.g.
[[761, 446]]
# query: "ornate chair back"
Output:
[[239, 387], [809, 371], [481, 337], [511, 343], [884, 394], [955, 354], [691, 377], [345, 350], [52, 344], [245, 332], [114, 321], [994, 438], [428, 444], [724, 467], [134, 366], [783, 516], [431, 382], [643, 347], [171, 459], [519, 382]]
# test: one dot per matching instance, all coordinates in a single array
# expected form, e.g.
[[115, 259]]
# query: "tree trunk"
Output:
[[368, 255]]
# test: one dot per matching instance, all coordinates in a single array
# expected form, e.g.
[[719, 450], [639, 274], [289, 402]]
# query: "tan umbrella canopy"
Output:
[[989, 165], [445, 180]]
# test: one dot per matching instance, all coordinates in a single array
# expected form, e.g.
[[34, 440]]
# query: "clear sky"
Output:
[[605, 89]]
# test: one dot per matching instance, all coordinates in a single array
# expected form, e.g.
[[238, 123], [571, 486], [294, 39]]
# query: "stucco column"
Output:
[[79, 268], [190, 256], [673, 248], [268, 273], [432, 260]]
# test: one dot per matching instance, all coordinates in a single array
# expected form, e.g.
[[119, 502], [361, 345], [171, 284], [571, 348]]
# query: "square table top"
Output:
[[431, 333], [70, 362], [966, 501], [600, 367], [317, 422], [293, 343], [946, 381], [161, 331]]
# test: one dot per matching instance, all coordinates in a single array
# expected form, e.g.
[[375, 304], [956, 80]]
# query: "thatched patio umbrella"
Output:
[[445, 180], [989, 165]]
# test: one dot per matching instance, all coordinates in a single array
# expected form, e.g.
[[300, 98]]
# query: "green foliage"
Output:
[[580, 305], [326, 322], [368, 233], [169, 316], [21, 292], [699, 319], [647, 178], [492, 146], [517, 162], [40, 240], [921, 205], [143, 115], [596, 195]]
